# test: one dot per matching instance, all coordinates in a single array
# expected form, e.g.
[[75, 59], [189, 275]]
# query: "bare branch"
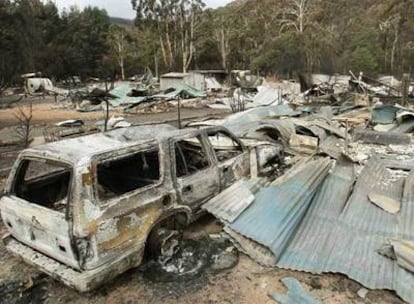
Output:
[[24, 118]]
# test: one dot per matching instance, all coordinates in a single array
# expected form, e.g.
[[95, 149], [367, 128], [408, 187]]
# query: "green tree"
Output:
[[10, 57], [27, 31], [361, 59], [83, 41], [282, 56]]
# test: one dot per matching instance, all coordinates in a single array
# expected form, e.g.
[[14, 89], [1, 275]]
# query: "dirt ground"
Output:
[[247, 282], [47, 112], [42, 113]]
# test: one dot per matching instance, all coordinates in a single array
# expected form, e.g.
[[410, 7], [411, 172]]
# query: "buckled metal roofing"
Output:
[[341, 231], [230, 203], [278, 209], [340, 235]]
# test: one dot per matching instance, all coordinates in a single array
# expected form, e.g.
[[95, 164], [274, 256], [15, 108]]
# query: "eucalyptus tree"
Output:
[[118, 41], [176, 23]]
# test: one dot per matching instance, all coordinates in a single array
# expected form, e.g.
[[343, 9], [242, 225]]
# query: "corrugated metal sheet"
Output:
[[342, 232], [312, 124], [196, 80], [344, 238], [330, 128], [404, 252], [381, 138], [261, 113], [303, 144], [332, 146], [176, 90], [307, 128], [172, 80], [121, 92], [318, 132], [385, 114], [277, 210], [174, 75], [296, 293], [211, 83], [390, 81], [261, 254], [237, 121], [398, 164], [265, 130], [406, 126], [342, 180], [266, 96], [285, 87], [404, 114], [230, 203], [330, 79]]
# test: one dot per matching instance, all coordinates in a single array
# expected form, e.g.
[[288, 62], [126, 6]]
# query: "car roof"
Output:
[[74, 150]]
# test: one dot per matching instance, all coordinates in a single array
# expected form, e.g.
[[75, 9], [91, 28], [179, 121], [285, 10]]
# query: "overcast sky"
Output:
[[119, 8]]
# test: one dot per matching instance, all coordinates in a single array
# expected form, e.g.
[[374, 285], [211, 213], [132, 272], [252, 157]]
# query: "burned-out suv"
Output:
[[82, 210]]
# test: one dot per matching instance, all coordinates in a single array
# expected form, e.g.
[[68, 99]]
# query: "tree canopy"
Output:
[[281, 37]]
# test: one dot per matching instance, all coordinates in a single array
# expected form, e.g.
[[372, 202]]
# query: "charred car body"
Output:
[[84, 210]]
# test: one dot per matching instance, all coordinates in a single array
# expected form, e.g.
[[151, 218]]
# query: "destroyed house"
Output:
[[173, 80]]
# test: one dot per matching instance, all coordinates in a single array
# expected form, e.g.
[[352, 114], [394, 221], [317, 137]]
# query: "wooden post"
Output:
[[404, 88], [156, 63], [179, 112], [346, 137], [107, 107]]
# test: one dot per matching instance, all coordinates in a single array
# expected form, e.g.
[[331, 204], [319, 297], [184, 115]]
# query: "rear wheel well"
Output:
[[175, 222]]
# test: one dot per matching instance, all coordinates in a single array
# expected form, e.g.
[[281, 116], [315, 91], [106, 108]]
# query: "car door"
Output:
[[195, 174], [130, 192], [231, 155], [35, 209]]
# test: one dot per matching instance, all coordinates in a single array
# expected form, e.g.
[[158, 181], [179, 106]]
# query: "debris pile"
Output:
[[242, 90], [344, 205], [334, 193], [193, 259]]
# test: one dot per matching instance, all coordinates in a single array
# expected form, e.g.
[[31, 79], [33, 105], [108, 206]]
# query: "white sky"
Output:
[[120, 8]]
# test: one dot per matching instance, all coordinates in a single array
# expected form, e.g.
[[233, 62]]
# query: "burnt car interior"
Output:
[[126, 174], [43, 183], [224, 146], [190, 157]]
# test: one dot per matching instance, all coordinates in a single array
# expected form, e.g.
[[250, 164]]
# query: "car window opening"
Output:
[[224, 146], [190, 157], [43, 183], [123, 175]]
